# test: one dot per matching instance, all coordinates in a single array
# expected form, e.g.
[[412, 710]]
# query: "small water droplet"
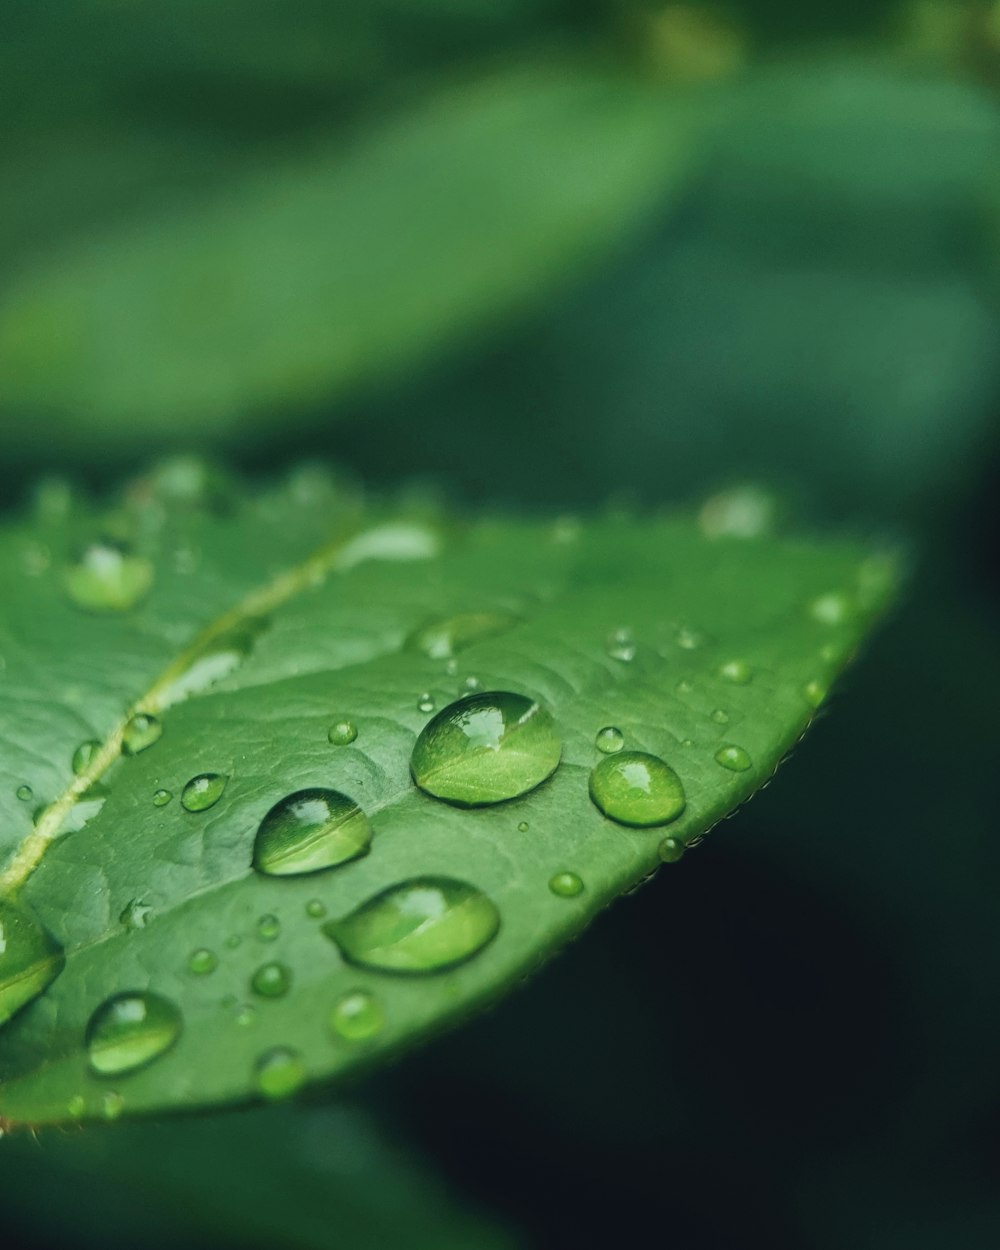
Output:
[[203, 792], [423, 925], [357, 1016], [451, 667], [671, 850], [620, 645], [141, 731], [271, 980], [833, 608], [244, 1014], [130, 1030], [425, 702], [308, 831], [76, 1107], [136, 914], [233, 941], [684, 687], [566, 885], [279, 1073], [687, 742], [202, 962], [161, 798], [471, 685], [442, 639], [734, 758], [485, 749], [815, 693], [268, 928], [738, 672], [112, 1105], [25, 793], [83, 755], [720, 716], [315, 909], [30, 959], [609, 740], [688, 638], [107, 577], [343, 733], [523, 826], [634, 788]]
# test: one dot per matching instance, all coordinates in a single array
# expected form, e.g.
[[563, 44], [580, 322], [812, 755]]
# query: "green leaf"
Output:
[[293, 644], [311, 277]]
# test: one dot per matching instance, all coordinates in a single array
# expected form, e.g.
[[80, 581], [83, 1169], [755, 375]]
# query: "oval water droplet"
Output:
[[203, 791], [161, 798], [671, 850], [609, 740], [271, 980], [425, 702], [107, 577], [141, 731], [523, 826], [130, 1030], [268, 928], [202, 961], [279, 1073], [815, 693], [308, 831], [442, 639], [485, 749], [83, 755], [620, 645], [315, 909], [30, 959], [25, 793], [738, 672], [734, 758], [634, 788], [566, 884], [343, 733], [357, 1016], [423, 925]]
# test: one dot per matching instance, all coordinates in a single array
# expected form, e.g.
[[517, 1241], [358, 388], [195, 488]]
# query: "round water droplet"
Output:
[[671, 850], [523, 826], [738, 672], [161, 798], [308, 831], [203, 792], [83, 755], [815, 693], [620, 645], [233, 941], [141, 732], [357, 1016], [833, 608], [471, 685], [136, 914], [566, 884], [25, 793], [425, 702], [108, 578], [112, 1105], [720, 716], [130, 1030], [343, 733], [202, 962], [315, 909], [486, 748], [30, 959], [76, 1107], [734, 758], [271, 980], [268, 928], [442, 639], [279, 1073], [423, 925], [609, 740], [634, 788]]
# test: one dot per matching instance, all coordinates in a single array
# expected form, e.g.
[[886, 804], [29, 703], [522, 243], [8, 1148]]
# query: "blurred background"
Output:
[[544, 254]]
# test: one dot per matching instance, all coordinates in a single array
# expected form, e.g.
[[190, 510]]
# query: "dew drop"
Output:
[[471, 685], [343, 733], [566, 885], [202, 962], [268, 928], [671, 850], [815, 693], [425, 702], [833, 608], [423, 925], [141, 731], [25, 793], [203, 792], [271, 980], [279, 1073], [609, 740], [523, 826], [30, 959], [620, 645], [720, 716], [308, 831], [683, 687], [83, 755], [688, 638], [357, 1016], [107, 577], [442, 639], [130, 1030], [485, 749], [315, 909], [734, 758], [634, 788], [736, 671], [161, 798], [234, 941]]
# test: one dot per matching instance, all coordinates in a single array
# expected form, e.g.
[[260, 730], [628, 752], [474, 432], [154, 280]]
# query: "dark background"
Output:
[[792, 1038]]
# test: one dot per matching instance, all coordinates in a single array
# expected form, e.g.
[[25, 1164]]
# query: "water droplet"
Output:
[[523, 826], [815, 693], [308, 831], [108, 578], [423, 925], [486, 748], [141, 732], [76, 1107], [738, 672], [271, 980], [833, 608], [343, 733], [315, 909], [671, 850], [216, 659], [83, 755], [425, 702], [634, 788], [268, 928], [112, 1105], [202, 962], [25, 793], [203, 792], [279, 1073], [688, 638], [244, 1014], [566, 884], [746, 511], [130, 1030], [440, 640], [734, 758], [395, 540], [609, 740], [683, 687], [471, 685], [30, 959], [357, 1016], [136, 914], [720, 716], [451, 667], [234, 940], [620, 645], [687, 742], [161, 798]]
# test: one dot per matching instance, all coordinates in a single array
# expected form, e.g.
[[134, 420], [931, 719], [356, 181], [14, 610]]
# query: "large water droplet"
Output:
[[357, 1016], [83, 755], [734, 758], [30, 959], [278, 1073], [271, 980], [566, 884], [486, 748], [141, 731], [308, 831], [637, 789], [203, 792], [108, 578], [342, 733], [444, 638], [609, 740], [423, 925], [130, 1030]]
